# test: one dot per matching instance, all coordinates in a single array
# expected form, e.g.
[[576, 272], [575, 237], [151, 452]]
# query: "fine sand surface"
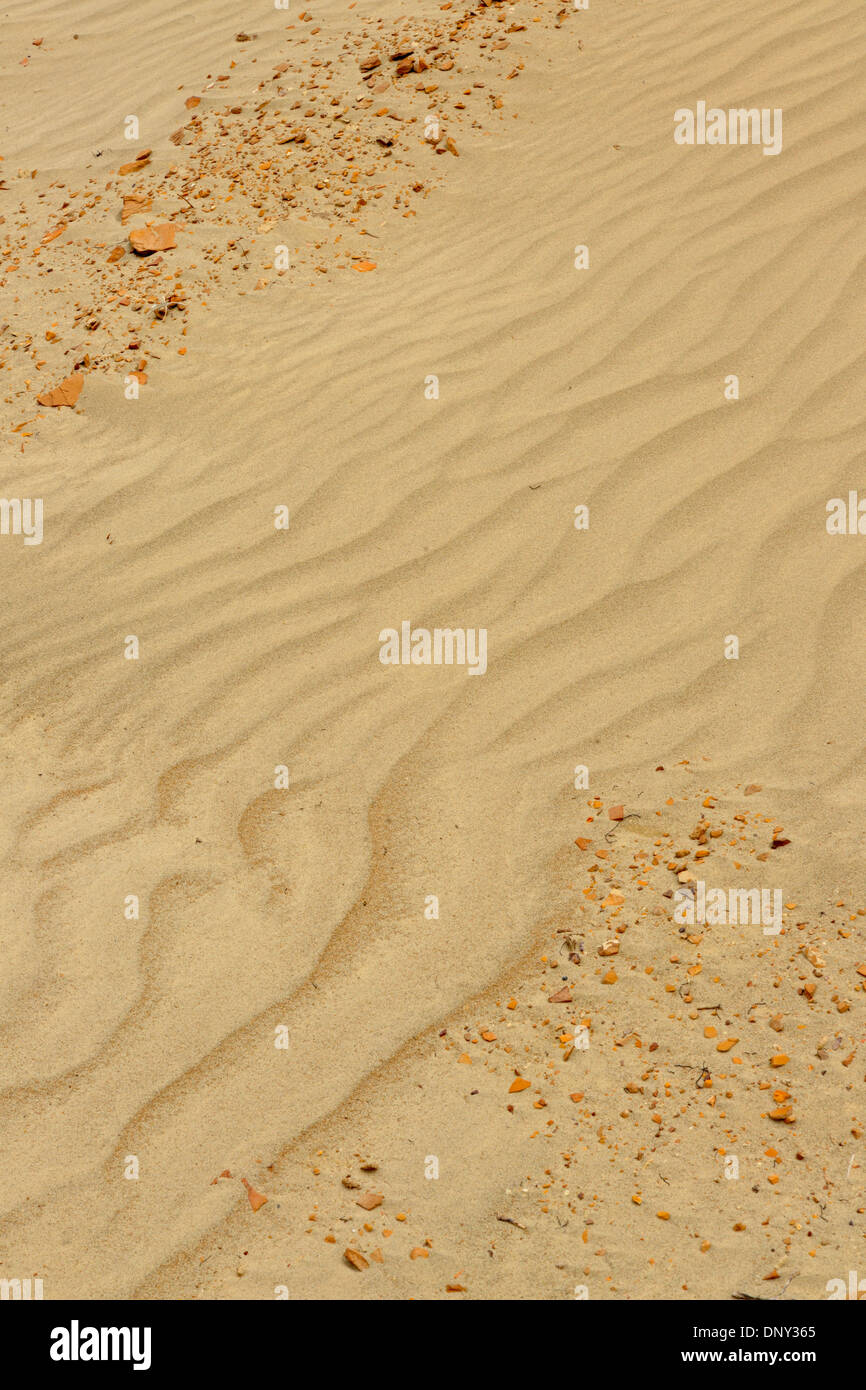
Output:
[[641, 1159]]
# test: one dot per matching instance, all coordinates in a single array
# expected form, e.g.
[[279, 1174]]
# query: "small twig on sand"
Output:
[[691, 1066], [632, 815], [760, 1298]]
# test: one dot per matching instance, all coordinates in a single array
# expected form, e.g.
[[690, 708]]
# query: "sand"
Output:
[[222, 840]]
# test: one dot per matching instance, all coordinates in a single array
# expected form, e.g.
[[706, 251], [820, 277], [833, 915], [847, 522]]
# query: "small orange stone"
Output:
[[257, 1199]]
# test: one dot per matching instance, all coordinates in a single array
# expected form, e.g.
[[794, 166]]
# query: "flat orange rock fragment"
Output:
[[370, 1201], [138, 163], [133, 203], [257, 1199], [145, 240], [66, 393]]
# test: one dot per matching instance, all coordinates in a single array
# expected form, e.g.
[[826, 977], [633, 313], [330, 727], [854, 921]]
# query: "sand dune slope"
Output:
[[264, 906]]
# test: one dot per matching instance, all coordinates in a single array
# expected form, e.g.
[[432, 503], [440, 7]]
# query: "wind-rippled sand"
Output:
[[308, 908]]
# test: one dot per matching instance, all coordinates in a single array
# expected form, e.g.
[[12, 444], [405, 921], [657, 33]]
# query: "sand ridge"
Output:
[[304, 907]]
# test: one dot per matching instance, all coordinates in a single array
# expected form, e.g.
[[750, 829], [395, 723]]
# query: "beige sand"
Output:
[[304, 908]]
